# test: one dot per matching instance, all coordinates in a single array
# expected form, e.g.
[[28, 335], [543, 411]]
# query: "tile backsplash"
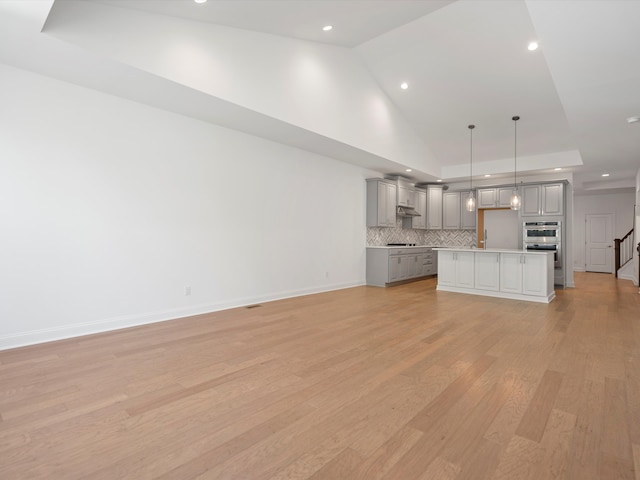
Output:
[[380, 236]]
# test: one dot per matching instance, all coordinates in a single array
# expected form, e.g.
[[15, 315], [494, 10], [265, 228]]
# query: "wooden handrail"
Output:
[[617, 242], [627, 235]]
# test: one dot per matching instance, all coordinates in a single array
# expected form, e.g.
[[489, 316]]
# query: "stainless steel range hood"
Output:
[[407, 212]]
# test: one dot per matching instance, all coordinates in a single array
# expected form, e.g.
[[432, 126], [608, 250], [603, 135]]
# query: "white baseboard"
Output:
[[62, 332], [578, 269], [627, 272], [628, 276], [489, 293]]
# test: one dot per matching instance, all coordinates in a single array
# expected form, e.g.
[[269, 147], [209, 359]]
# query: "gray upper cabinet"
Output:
[[494, 197], [552, 199], [406, 196], [545, 199], [530, 200], [381, 203], [467, 219], [451, 210], [486, 198], [504, 197], [421, 208], [434, 207]]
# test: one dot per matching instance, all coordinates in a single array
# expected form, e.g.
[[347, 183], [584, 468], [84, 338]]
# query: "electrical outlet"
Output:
[[187, 290], [326, 274]]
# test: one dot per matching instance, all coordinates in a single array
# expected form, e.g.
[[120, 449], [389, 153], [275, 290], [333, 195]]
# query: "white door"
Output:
[[599, 243]]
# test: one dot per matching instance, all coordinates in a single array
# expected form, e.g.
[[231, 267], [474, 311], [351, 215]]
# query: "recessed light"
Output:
[[487, 174], [200, 1], [605, 174], [326, 28], [633, 119], [439, 180], [408, 170], [533, 46], [404, 85], [557, 169]]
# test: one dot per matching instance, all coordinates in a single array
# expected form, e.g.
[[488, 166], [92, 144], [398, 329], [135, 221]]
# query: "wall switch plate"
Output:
[[187, 290]]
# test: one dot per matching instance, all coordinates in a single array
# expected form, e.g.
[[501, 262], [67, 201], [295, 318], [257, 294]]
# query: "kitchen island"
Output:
[[504, 273]]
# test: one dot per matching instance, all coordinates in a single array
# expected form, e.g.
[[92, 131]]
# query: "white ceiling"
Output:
[[466, 62], [356, 21]]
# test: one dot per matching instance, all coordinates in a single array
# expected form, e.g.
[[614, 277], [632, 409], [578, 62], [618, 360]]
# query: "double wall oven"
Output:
[[547, 237]]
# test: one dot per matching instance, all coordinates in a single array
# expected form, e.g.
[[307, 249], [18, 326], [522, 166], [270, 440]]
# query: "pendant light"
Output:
[[470, 202], [515, 198]]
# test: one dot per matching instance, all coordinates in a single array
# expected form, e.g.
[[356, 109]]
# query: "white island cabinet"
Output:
[[503, 273], [455, 268], [487, 268]]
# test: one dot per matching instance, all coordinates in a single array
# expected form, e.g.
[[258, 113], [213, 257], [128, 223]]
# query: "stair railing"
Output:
[[624, 250]]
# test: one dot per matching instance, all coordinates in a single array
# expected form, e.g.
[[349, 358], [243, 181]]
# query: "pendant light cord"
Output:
[[471, 127], [515, 149]]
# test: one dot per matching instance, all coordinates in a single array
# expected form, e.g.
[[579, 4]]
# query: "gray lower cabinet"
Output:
[[430, 263], [389, 265]]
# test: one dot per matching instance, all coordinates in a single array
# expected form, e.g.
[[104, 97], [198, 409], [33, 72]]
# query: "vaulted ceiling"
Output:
[[241, 64]]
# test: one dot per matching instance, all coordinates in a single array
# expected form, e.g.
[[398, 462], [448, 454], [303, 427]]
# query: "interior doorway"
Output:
[[598, 239]]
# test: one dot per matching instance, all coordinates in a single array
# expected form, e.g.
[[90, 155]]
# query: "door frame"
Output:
[[612, 218]]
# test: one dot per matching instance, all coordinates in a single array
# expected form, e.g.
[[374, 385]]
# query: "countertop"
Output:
[[400, 246], [492, 250], [464, 249]]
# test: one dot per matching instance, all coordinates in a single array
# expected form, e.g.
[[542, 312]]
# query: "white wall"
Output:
[[619, 204], [110, 208]]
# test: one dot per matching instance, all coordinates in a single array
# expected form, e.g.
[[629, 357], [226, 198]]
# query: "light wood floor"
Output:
[[364, 383]]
